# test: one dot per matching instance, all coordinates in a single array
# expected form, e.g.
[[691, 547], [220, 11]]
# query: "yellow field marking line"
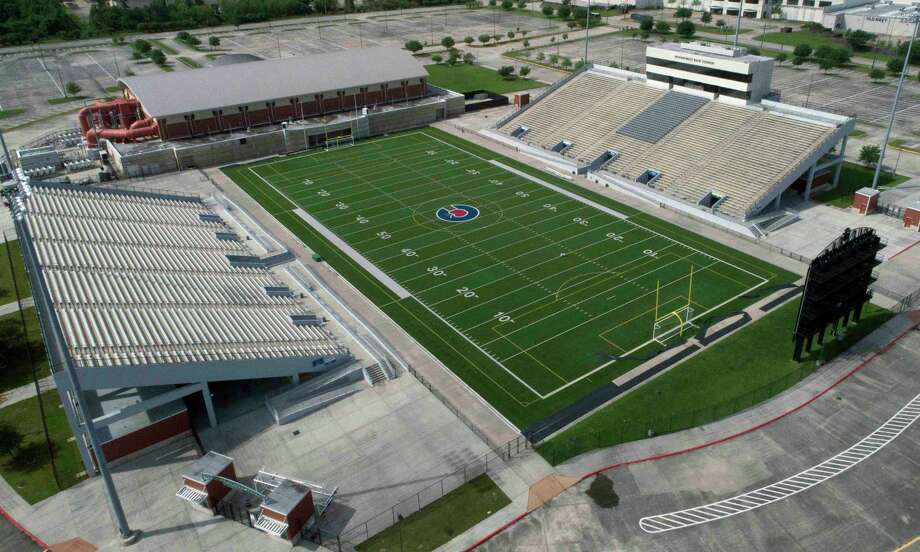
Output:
[[640, 315], [905, 546]]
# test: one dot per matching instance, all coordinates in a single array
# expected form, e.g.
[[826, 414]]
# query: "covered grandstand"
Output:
[[147, 297], [687, 149]]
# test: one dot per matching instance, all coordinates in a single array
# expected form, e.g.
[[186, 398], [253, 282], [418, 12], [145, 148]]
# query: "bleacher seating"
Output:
[[698, 146], [141, 279]]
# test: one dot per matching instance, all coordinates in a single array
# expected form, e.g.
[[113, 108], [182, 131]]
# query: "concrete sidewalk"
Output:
[[26, 391], [10, 308]]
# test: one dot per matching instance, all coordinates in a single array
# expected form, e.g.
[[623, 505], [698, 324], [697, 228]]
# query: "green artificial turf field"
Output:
[[531, 293]]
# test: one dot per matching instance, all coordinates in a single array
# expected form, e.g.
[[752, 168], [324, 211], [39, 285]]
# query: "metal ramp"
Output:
[[271, 526], [319, 392], [192, 495], [659, 119]]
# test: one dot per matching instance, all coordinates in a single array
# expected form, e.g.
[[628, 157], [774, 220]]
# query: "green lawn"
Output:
[[7, 290], [537, 302], [167, 49], [4, 113], [856, 133], [56, 101], [466, 78], [113, 88], [36, 482], [189, 62], [740, 371], [441, 520], [730, 30], [852, 178], [16, 371]]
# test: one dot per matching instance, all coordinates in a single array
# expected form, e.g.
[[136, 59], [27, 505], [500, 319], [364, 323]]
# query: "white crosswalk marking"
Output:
[[805, 480]]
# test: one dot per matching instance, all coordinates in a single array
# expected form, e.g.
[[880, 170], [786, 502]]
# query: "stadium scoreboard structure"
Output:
[[836, 286]]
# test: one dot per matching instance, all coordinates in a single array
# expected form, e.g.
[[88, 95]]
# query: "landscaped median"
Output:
[[467, 78]]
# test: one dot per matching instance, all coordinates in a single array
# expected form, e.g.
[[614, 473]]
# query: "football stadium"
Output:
[[317, 298]]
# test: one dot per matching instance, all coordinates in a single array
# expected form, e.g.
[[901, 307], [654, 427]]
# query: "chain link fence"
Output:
[[489, 463]]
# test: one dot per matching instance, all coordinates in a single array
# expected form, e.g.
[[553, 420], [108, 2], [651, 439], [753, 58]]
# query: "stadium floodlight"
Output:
[[910, 14]]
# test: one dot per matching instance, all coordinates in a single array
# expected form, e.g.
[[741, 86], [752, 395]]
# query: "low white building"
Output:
[[879, 18], [712, 70]]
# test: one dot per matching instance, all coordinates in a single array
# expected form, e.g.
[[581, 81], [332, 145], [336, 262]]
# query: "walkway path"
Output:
[[10, 308], [27, 391]]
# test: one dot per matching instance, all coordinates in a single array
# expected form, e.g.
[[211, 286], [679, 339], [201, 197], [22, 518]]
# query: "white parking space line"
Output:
[[802, 481]]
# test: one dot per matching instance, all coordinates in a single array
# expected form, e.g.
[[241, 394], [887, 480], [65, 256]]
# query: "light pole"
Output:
[[587, 29], [738, 24], [911, 14]]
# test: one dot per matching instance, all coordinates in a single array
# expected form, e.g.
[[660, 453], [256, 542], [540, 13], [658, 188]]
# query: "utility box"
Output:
[[912, 216], [202, 490], [865, 201], [520, 100]]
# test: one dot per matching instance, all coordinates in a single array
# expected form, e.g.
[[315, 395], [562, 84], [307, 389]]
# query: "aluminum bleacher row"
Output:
[[698, 146], [145, 279]]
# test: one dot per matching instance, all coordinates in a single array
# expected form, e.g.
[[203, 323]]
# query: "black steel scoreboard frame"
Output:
[[837, 286]]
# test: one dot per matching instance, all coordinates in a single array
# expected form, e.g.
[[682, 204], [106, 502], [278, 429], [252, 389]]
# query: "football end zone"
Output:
[[538, 293]]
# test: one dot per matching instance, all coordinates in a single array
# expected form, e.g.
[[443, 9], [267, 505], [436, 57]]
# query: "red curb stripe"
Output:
[[915, 323], [23, 530]]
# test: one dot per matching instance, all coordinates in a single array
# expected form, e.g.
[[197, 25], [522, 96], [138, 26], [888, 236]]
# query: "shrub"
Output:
[[869, 155], [437, 58], [781, 57], [142, 46], [683, 13], [72, 88], [526, 43], [564, 11], [484, 38], [506, 71], [507, 5], [895, 66], [798, 61], [547, 10], [158, 57], [706, 17], [686, 28], [566, 62], [602, 493], [469, 58], [802, 51], [524, 71], [468, 39], [662, 27], [522, 4], [877, 73], [510, 34], [448, 42], [214, 41], [413, 46]]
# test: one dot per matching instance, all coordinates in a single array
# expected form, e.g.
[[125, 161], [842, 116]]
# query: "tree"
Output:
[[802, 51], [835, 55], [662, 27], [541, 56], [683, 13], [706, 18], [506, 71], [686, 28], [781, 57], [437, 58], [158, 57], [492, 3], [826, 64], [522, 4], [510, 34], [468, 39], [895, 65], [469, 58], [413, 46], [859, 40], [914, 52], [72, 88], [183, 36], [876, 73], [448, 42], [484, 38], [869, 155], [507, 5], [524, 71], [564, 11], [565, 36], [496, 37], [566, 62], [643, 35], [579, 64], [526, 43], [453, 56], [141, 46], [547, 10], [213, 41], [798, 61], [553, 59], [10, 439]]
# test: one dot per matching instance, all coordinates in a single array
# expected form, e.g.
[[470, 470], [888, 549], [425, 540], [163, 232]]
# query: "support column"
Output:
[[778, 200], [208, 404], [843, 150], [295, 379], [809, 181]]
